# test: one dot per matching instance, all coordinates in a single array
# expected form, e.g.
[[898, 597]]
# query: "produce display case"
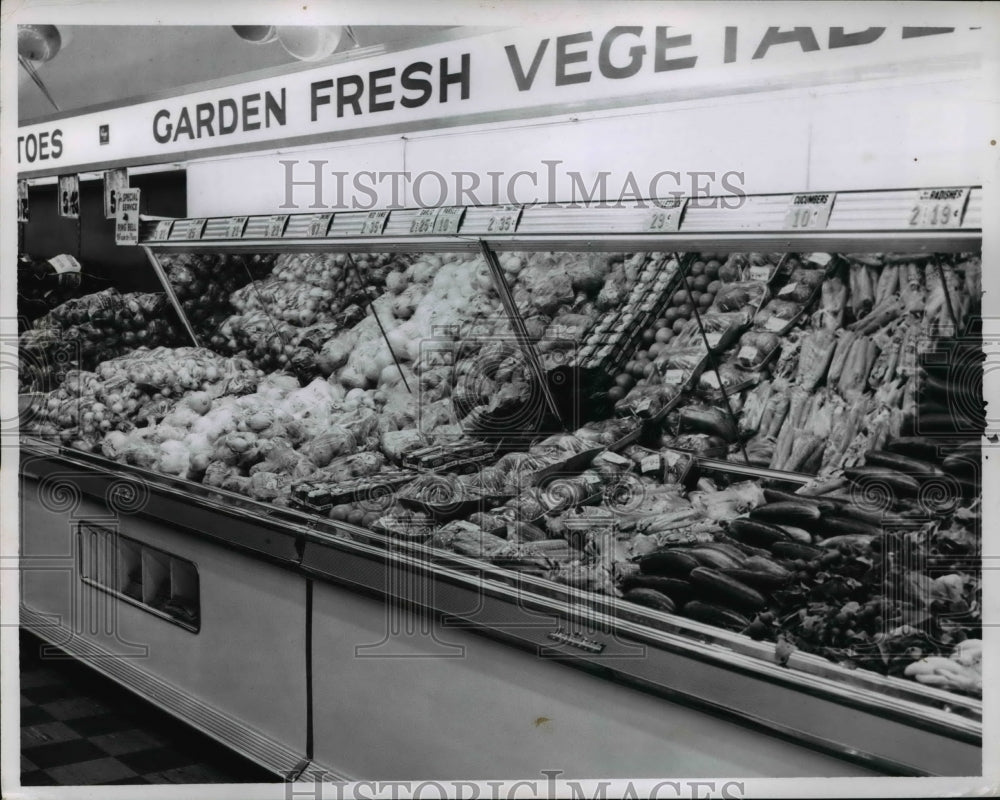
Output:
[[559, 555]]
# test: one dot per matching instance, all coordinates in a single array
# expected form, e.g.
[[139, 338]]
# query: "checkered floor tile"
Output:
[[79, 728]]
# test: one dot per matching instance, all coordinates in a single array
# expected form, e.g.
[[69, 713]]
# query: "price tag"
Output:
[[650, 463], [424, 221], [775, 324], [319, 225], [713, 339], [748, 353], [235, 227], [809, 211], [672, 458], [64, 263], [820, 259], [449, 219], [374, 223], [788, 288], [504, 219], [938, 208], [162, 230], [674, 376], [614, 458], [276, 226], [196, 227], [667, 217], [760, 273]]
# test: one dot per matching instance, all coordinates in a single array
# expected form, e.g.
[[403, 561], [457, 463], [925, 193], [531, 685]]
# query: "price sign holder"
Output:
[[319, 225], [374, 223], [501, 220], [424, 221], [276, 226], [195, 229], [235, 226], [938, 208], [449, 219], [162, 230], [666, 216], [809, 211]]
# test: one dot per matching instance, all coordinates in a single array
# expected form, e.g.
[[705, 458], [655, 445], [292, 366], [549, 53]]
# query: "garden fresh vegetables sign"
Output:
[[519, 73]]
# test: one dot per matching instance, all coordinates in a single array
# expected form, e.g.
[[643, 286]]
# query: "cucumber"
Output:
[[764, 581], [707, 557], [728, 590], [898, 483], [756, 533], [907, 464], [768, 567], [847, 539], [726, 549], [797, 534], [672, 563], [677, 590], [794, 551], [792, 513], [777, 496], [715, 615], [836, 525], [651, 599]]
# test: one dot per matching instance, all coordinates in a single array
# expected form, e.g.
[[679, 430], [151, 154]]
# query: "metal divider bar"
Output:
[[165, 282]]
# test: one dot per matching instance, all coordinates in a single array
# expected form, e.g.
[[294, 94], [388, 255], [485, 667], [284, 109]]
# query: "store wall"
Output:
[[91, 239]]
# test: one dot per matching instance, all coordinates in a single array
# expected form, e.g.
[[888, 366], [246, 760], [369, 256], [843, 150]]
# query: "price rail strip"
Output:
[[883, 211]]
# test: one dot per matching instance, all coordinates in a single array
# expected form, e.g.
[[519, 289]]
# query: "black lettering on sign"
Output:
[[374, 104], [840, 39], [204, 113], [636, 52], [804, 36], [663, 43], [316, 99], [230, 106], [354, 98], [57, 143], [251, 110], [460, 77], [522, 79], [564, 58], [413, 84]]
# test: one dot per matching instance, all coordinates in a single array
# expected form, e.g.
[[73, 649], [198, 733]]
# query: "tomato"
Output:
[[679, 298], [664, 335], [625, 380], [679, 325], [648, 335], [655, 348], [706, 300], [661, 323], [616, 393], [700, 283], [686, 311], [712, 270], [695, 297], [714, 287], [697, 268]]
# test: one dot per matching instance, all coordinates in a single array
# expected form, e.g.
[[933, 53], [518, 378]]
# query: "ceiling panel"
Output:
[[101, 64]]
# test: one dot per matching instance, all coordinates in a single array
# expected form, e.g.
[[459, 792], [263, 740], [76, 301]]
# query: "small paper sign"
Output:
[[276, 226], [374, 223], [939, 208], [64, 263], [69, 196], [504, 219], [788, 288], [448, 219], [196, 227], [760, 273], [162, 230], [319, 225], [775, 324], [820, 259], [115, 182], [127, 217], [674, 376], [423, 222], [809, 211], [23, 209], [667, 217], [650, 463], [235, 227], [748, 353]]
